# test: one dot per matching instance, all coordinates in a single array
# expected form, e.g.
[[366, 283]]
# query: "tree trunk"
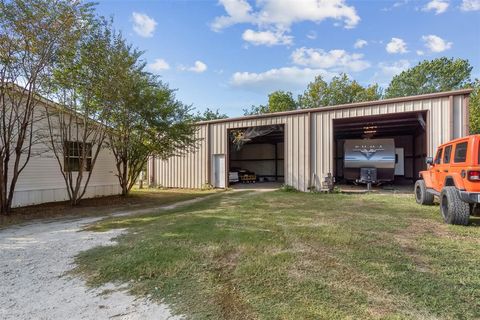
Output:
[[3, 193], [125, 179]]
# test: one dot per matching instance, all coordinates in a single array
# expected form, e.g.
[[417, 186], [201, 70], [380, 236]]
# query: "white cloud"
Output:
[[470, 5], [267, 38], [198, 67], [387, 70], [360, 43], [143, 25], [436, 44], [339, 60], [392, 69], [420, 53], [287, 78], [278, 16], [396, 5], [396, 45], [159, 65], [284, 13], [238, 11], [439, 6]]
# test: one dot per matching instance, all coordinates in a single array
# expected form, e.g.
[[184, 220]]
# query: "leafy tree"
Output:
[[33, 34], [210, 114], [277, 101], [147, 119], [437, 75], [340, 90], [281, 101], [78, 128], [475, 108]]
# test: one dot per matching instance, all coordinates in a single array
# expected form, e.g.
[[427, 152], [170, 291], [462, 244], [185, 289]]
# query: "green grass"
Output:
[[138, 199], [280, 255]]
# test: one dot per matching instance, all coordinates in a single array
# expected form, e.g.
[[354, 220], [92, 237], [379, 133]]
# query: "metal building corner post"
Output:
[[452, 116], [309, 136], [227, 158], [209, 156], [466, 112]]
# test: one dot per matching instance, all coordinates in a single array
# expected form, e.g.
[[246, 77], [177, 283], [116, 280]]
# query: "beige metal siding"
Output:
[[310, 143], [439, 127], [460, 117], [184, 171], [296, 149], [191, 170]]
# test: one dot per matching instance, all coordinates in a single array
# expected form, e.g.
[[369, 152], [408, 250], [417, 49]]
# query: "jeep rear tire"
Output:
[[453, 209], [422, 196]]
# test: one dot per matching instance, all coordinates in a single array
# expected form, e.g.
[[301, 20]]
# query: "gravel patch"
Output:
[[35, 284]]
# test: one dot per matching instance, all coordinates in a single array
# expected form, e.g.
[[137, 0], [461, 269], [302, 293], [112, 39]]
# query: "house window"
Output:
[[73, 156]]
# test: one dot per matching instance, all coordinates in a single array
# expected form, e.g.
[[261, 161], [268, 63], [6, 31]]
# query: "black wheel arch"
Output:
[[449, 182]]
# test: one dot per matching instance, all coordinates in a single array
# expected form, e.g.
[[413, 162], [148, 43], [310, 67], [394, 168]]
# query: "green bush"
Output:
[[288, 188]]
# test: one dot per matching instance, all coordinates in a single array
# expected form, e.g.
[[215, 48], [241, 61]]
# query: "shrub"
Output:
[[288, 188]]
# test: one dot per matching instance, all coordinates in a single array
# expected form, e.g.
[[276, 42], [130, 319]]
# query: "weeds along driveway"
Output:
[[35, 260]]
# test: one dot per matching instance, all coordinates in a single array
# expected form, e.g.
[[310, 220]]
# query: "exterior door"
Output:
[[434, 173], [443, 168], [218, 170], [399, 162]]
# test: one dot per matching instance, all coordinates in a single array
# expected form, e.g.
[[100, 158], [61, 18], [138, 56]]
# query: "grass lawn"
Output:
[[138, 199], [288, 255]]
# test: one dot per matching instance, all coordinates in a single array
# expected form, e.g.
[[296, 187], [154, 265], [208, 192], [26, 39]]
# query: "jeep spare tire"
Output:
[[421, 195], [453, 209]]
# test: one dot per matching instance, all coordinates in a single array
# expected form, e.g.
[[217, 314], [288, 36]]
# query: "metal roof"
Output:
[[348, 105]]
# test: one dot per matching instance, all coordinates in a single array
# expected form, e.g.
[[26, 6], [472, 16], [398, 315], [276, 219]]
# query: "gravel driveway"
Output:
[[34, 284]]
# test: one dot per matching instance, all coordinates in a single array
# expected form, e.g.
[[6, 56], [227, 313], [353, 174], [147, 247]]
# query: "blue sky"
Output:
[[230, 54]]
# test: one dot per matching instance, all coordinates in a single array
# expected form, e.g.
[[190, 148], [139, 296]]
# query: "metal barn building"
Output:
[[301, 147]]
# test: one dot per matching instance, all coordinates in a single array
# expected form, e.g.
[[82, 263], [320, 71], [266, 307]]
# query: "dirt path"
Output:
[[34, 284]]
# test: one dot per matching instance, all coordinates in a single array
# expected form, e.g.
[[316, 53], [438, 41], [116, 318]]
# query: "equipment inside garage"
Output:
[[389, 149], [256, 154]]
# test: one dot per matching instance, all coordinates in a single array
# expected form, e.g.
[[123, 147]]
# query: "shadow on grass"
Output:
[[147, 218]]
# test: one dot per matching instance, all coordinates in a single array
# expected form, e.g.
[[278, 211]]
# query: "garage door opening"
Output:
[[364, 142], [256, 156]]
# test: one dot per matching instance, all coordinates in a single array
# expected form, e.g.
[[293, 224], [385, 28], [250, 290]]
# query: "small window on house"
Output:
[[460, 152], [438, 157], [447, 155], [73, 156]]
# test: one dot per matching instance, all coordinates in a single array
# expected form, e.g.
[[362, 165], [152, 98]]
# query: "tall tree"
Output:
[[33, 33], [277, 101], [77, 130], [210, 114], [436, 75], [475, 108], [340, 90], [148, 120]]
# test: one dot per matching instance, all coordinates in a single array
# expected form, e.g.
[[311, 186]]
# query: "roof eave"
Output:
[[344, 106]]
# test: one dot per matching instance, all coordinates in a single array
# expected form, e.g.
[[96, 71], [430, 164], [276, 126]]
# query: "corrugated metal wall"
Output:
[[446, 119], [440, 128], [183, 171]]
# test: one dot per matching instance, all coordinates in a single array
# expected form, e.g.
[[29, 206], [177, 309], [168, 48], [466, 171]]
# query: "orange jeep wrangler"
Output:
[[454, 177]]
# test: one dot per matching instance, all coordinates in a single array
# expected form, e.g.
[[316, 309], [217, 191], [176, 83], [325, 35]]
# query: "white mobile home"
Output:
[[41, 181]]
